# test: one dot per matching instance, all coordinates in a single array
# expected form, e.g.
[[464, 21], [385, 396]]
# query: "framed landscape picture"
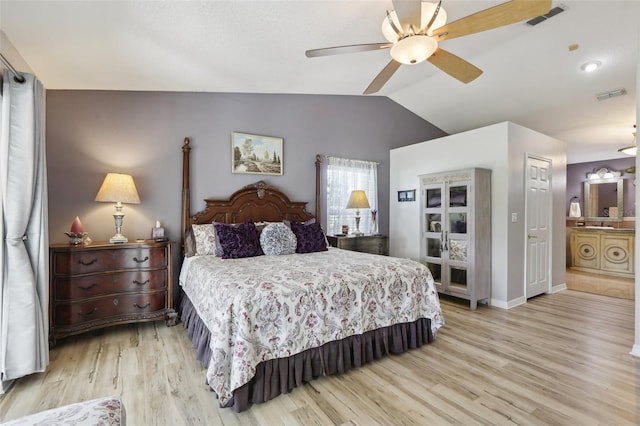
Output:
[[256, 154]]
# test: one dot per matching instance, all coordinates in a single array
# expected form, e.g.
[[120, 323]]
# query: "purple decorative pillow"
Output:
[[238, 241], [310, 237]]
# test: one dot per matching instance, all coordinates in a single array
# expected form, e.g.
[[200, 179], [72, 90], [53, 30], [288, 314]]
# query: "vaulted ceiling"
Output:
[[532, 74]]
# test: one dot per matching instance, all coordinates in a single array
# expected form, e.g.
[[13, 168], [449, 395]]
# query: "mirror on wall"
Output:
[[603, 196]]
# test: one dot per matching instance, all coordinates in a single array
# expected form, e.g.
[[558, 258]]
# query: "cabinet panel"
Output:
[[90, 260], [73, 288], [108, 308], [587, 250], [616, 254]]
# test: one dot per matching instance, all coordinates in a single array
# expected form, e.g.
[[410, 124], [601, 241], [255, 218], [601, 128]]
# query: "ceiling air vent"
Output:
[[553, 12], [611, 94]]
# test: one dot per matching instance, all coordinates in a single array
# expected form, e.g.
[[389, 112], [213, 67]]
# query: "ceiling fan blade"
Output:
[[455, 66], [353, 48], [382, 78], [408, 12], [494, 17]]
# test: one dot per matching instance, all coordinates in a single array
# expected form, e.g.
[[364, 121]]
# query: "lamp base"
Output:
[[357, 233], [118, 239]]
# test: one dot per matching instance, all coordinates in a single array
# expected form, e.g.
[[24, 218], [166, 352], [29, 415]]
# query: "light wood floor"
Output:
[[607, 285], [561, 359]]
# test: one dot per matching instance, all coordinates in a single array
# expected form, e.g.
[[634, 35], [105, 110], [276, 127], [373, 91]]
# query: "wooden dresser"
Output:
[[374, 244], [104, 284]]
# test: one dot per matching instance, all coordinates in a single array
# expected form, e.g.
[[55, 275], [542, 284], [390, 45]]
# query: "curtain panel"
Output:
[[343, 176], [24, 264]]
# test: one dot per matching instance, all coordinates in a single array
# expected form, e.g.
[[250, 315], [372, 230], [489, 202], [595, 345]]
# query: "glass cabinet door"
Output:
[[433, 198], [458, 223], [458, 196], [457, 277]]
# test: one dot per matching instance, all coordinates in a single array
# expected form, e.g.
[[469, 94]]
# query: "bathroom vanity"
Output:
[[603, 249]]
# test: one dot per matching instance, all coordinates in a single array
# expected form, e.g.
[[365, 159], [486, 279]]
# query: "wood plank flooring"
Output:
[[561, 359], [607, 285]]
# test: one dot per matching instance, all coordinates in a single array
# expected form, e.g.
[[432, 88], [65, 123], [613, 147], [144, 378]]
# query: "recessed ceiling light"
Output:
[[590, 66]]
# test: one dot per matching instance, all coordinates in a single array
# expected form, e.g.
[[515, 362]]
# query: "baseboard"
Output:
[[559, 287], [635, 351], [502, 304]]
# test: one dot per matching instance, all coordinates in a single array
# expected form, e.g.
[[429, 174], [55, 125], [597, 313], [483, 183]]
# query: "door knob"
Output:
[[529, 236]]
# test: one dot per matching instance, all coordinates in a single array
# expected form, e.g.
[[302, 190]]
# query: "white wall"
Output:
[[12, 55], [502, 148], [635, 350]]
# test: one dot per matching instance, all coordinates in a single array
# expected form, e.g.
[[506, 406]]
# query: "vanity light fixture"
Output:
[[590, 66], [603, 173]]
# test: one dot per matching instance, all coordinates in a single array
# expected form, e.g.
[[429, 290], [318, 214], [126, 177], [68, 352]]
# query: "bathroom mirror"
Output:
[[603, 196]]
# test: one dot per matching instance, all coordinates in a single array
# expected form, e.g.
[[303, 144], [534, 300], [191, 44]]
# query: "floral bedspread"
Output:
[[269, 307]]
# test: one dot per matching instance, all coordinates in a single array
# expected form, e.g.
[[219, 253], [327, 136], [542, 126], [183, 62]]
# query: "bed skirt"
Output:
[[278, 376]]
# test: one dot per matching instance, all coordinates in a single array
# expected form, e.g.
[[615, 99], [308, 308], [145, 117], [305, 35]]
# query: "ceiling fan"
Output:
[[414, 29]]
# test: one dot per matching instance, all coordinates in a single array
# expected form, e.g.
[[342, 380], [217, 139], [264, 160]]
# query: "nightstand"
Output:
[[374, 244], [104, 284]]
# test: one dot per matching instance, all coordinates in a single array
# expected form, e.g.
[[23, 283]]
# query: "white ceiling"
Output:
[[530, 76]]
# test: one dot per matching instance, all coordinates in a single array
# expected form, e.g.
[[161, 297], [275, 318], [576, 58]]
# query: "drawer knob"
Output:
[[86, 314], [136, 282], [89, 287], [142, 307], [140, 261], [91, 262]]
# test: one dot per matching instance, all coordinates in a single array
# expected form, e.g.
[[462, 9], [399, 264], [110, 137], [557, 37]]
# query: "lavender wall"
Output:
[[90, 133], [577, 174]]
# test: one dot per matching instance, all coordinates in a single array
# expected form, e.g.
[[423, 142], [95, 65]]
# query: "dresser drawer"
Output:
[[87, 286], [88, 261], [104, 308]]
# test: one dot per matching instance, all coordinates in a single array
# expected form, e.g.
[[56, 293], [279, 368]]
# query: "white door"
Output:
[[538, 225]]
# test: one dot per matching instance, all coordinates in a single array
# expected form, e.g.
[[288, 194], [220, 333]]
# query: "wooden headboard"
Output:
[[257, 202]]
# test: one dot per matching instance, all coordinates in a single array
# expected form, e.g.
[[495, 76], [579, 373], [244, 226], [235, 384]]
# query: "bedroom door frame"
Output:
[[538, 226]]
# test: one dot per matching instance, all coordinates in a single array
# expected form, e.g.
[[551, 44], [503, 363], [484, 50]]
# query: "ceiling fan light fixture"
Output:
[[413, 49], [631, 149], [388, 31], [428, 9]]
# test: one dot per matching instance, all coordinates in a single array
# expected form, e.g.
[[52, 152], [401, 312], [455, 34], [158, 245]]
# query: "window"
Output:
[[343, 176]]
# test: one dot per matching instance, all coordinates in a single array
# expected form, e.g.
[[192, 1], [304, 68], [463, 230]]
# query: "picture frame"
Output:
[[407, 195], [256, 154]]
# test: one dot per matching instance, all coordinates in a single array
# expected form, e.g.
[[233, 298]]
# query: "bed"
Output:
[[263, 323]]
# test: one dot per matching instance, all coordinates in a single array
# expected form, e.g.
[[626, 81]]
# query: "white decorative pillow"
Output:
[[205, 239], [277, 239]]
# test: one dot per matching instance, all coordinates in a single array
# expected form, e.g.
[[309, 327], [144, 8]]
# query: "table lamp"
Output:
[[358, 200], [118, 188]]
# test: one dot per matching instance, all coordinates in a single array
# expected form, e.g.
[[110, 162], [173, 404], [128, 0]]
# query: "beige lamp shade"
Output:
[[118, 188], [358, 200]]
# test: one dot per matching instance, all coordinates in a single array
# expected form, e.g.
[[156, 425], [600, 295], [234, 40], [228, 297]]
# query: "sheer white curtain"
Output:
[[343, 176], [24, 261]]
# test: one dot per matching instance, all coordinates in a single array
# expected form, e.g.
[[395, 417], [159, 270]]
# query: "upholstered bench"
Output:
[[107, 411]]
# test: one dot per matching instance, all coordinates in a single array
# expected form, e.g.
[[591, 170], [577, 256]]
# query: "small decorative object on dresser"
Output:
[[96, 286], [76, 234], [374, 244]]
